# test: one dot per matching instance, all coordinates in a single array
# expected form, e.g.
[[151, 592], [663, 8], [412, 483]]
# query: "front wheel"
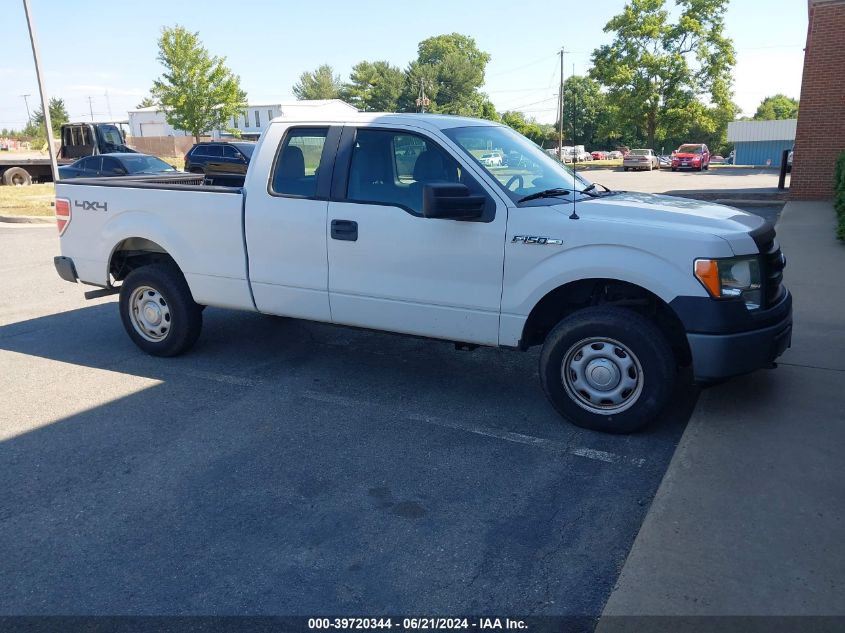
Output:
[[607, 369], [158, 310]]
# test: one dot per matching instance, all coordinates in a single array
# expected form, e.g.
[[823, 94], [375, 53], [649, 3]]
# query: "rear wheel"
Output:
[[607, 369], [17, 177], [158, 311]]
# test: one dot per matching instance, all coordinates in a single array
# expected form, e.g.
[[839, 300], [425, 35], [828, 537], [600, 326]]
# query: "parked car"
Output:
[[450, 250], [220, 157], [599, 155], [118, 164], [789, 162], [491, 159], [615, 155], [717, 160], [691, 156], [640, 159]]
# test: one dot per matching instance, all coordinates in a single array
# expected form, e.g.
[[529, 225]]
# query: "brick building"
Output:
[[820, 136]]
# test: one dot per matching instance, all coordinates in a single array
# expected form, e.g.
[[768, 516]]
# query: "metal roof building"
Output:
[[761, 142]]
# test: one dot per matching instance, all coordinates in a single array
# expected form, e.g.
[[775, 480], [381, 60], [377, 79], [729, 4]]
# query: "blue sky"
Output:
[[91, 48]]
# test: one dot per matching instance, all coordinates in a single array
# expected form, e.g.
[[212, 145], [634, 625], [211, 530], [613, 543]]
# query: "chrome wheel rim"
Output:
[[149, 313], [602, 375]]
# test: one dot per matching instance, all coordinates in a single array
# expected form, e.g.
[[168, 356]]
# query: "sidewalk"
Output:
[[750, 516]]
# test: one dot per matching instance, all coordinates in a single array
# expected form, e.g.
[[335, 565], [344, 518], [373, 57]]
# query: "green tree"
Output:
[[655, 69], [450, 70], [777, 106], [374, 87], [197, 91], [58, 117], [146, 102], [527, 127], [585, 113], [322, 83]]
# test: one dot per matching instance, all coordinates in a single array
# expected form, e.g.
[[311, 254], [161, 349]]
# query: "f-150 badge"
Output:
[[536, 239]]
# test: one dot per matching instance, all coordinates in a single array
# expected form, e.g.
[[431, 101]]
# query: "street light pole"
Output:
[[45, 105]]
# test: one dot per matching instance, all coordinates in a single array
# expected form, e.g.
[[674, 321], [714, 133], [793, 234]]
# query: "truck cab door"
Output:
[[392, 269], [285, 223]]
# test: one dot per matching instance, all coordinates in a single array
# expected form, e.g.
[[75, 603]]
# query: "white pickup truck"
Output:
[[394, 222]]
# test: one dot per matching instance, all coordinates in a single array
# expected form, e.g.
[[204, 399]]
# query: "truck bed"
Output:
[[199, 226]]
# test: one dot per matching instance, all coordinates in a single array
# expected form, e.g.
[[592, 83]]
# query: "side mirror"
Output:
[[451, 201]]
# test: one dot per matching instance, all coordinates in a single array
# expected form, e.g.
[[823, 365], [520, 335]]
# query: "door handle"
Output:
[[345, 230]]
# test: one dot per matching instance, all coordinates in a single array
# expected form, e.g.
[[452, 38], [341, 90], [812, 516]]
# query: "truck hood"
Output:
[[673, 213]]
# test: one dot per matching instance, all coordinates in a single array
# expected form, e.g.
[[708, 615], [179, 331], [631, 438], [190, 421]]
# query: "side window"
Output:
[[198, 151], [215, 151], [393, 168], [92, 165], [295, 172], [229, 152], [112, 168]]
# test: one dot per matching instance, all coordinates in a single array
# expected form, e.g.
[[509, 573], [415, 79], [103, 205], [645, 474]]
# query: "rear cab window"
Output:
[[297, 162]]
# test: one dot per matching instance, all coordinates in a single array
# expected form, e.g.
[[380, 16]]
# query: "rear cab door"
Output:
[[285, 224]]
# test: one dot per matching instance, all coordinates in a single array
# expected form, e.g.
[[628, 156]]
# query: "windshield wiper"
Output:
[[558, 191], [546, 193]]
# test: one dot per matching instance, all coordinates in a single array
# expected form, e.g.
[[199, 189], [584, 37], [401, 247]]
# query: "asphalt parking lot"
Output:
[[287, 467], [750, 182], [292, 468]]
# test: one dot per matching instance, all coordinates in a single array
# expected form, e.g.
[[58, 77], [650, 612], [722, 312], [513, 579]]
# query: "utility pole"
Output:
[[108, 106], [422, 100], [44, 101], [90, 109], [28, 115], [560, 108]]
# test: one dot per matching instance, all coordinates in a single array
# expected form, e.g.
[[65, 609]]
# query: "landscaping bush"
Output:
[[839, 196]]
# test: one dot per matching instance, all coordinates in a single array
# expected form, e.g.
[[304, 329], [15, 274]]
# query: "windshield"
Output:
[[142, 164], [525, 168], [689, 149], [245, 148]]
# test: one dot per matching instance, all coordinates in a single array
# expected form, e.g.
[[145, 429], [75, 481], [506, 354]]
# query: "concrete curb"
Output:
[[27, 219]]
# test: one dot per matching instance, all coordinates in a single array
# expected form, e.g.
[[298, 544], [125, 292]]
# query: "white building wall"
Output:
[[752, 131], [152, 122]]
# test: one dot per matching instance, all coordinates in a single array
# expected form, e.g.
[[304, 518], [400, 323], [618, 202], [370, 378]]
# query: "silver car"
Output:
[[641, 159]]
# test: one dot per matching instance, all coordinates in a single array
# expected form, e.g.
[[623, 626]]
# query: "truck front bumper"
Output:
[[721, 351], [65, 268]]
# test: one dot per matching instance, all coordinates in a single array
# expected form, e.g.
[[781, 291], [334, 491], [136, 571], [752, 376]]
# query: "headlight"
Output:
[[737, 277]]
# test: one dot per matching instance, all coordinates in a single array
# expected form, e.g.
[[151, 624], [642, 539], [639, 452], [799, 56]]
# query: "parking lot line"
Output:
[[469, 427]]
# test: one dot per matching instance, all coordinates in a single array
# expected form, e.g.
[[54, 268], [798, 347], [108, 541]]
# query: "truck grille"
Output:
[[773, 264]]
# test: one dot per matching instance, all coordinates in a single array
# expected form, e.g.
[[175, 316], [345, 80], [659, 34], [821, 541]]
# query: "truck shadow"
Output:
[[287, 467]]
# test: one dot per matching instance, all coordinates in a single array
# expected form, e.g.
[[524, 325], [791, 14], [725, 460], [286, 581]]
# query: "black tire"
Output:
[[648, 353], [625, 169], [180, 316], [674, 169], [17, 176]]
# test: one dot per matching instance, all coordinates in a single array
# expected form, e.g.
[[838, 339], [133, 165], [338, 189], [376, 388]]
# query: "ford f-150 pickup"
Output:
[[397, 223]]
